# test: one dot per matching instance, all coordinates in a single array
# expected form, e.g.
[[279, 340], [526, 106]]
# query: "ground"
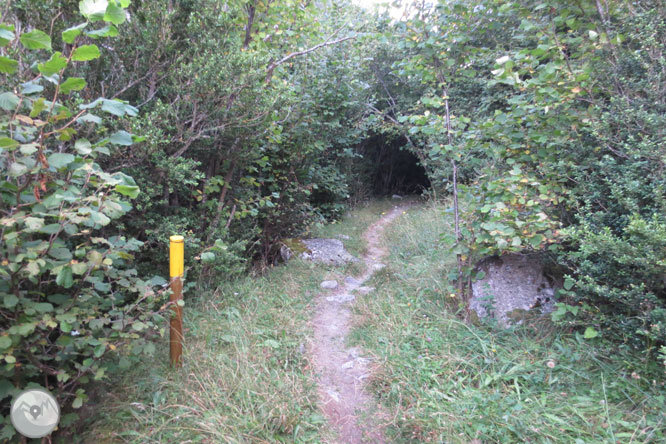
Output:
[[262, 361]]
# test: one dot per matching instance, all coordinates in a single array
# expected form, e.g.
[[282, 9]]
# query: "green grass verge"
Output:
[[246, 376], [446, 381]]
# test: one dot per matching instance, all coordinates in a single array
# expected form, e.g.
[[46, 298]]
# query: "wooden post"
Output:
[[176, 267]]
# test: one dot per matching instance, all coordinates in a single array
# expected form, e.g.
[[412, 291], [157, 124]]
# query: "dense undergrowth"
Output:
[[444, 380]]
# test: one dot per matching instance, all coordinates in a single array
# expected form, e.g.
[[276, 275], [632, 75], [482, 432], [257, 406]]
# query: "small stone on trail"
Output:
[[397, 197], [331, 285], [348, 364], [378, 267], [365, 290], [352, 281], [341, 298], [344, 237]]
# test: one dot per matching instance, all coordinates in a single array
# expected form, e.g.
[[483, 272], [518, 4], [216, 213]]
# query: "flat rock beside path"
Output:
[[320, 250]]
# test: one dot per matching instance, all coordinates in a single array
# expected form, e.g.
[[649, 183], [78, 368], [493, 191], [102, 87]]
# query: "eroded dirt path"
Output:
[[343, 372]]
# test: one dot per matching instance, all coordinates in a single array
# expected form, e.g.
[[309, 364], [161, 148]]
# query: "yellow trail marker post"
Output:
[[176, 262]]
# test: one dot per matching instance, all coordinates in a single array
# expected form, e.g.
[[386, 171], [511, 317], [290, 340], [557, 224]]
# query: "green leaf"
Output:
[[65, 326], [70, 34], [36, 40], [107, 31], [53, 66], [590, 333], [207, 257], [126, 190], [8, 65], [34, 223], [64, 278], [83, 147], [10, 300], [121, 138], [43, 307], [8, 144], [85, 53], [72, 84], [5, 342], [114, 14], [8, 101], [6, 35], [568, 284], [38, 106], [60, 160], [78, 402], [93, 10]]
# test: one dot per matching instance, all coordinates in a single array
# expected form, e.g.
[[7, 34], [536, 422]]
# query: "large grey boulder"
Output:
[[512, 285]]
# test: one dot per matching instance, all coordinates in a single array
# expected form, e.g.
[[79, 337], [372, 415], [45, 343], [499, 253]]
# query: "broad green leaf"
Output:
[[207, 257], [31, 87], [118, 108], [114, 14], [72, 84], [6, 35], [54, 65], [126, 190], [38, 106], [85, 53], [8, 65], [10, 300], [29, 148], [590, 333], [43, 307], [83, 147], [70, 34], [89, 118], [121, 138], [568, 284], [8, 101], [107, 31], [65, 278], [34, 223], [36, 39], [93, 10], [5, 342], [60, 160], [8, 144]]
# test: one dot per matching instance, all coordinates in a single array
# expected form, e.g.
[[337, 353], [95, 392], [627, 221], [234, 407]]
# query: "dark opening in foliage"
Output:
[[392, 168]]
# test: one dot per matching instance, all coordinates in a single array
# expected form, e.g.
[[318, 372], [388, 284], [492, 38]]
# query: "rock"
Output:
[[512, 283], [330, 285], [377, 267], [344, 237], [341, 298], [326, 251], [286, 253], [349, 280], [396, 197], [365, 290]]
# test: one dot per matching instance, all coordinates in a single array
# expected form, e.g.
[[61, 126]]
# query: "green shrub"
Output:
[[69, 296]]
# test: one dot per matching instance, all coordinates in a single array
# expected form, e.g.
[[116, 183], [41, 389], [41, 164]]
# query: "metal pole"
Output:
[[176, 263]]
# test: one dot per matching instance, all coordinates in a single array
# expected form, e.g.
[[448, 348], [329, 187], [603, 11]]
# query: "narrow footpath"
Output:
[[344, 372]]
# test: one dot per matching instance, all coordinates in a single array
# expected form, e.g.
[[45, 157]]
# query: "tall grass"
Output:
[[246, 376], [449, 382]]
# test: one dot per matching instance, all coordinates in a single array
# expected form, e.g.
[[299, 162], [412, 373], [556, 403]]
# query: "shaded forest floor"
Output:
[[248, 377]]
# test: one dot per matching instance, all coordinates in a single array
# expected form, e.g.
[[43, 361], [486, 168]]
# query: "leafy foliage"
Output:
[[69, 296]]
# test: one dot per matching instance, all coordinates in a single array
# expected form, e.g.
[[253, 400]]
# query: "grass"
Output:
[[446, 381], [246, 376]]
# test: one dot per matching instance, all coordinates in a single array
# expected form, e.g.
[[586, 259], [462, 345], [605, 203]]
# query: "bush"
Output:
[[69, 296]]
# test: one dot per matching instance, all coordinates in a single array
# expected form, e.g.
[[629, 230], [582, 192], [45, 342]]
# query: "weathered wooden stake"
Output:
[[176, 266]]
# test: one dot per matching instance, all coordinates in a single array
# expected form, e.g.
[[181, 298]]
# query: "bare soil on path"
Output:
[[344, 372]]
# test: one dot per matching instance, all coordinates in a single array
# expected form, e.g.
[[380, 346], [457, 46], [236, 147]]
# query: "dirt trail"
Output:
[[343, 372]]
